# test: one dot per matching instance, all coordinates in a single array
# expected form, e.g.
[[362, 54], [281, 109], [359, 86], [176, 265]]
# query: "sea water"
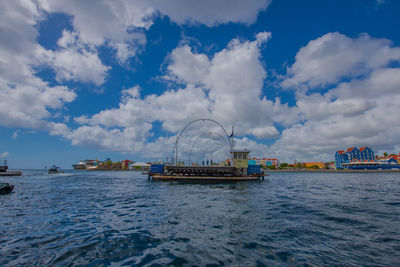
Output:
[[121, 218]]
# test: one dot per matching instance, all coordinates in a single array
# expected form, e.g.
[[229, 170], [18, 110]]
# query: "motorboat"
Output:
[[55, 170], [6, 188], [4, 172], [80, 166], [3, 168]]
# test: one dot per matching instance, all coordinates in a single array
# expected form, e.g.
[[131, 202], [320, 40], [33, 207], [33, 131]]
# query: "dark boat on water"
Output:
[[4, 168], [4, 172], [55, 170], [6, 188]]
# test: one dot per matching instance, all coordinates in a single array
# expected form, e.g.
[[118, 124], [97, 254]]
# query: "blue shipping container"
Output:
[[156, 169], [254, 169]]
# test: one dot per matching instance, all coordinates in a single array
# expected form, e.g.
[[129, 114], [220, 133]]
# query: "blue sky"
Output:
[[298, 79]]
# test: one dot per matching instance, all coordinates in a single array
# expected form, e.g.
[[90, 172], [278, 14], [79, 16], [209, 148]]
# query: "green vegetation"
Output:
[[301, 165], [109, 165]]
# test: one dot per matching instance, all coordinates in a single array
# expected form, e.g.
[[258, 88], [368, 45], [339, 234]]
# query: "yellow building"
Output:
[[241, 158]]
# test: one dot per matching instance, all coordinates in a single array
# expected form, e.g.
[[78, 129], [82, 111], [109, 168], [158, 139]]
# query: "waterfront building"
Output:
[[388, 160], [260, 162], [264, 162], [312, 164], [364, 158], [366, 154], [395, 157], [139, 166], [125, 163], [331, 165], [340, 158], [353, 154], [390, 164], [273, 162], [225, 163]]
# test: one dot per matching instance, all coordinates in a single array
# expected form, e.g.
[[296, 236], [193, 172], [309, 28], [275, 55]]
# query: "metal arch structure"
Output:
[[204, 134], [193, 121]]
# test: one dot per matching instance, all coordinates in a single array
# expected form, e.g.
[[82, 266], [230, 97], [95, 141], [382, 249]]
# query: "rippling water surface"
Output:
[[121, 218]]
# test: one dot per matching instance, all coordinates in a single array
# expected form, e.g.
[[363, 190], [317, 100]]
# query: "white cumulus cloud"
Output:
[[333, 56], [26, 100], [363, 110], [121, 24], [211, 12], [4, 154], [226, 87]]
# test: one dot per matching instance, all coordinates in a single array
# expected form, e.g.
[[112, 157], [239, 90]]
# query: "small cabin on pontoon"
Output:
[[241, 158]]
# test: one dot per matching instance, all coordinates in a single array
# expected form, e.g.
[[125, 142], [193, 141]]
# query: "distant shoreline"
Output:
[[336, 171], [271, 171], [122, 170], [265, 170]]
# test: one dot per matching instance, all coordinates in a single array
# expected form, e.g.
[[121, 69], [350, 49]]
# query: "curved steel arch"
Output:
[[193, 121], [204, 134]]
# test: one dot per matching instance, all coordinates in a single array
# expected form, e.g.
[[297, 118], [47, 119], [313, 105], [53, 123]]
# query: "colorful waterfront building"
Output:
[[364, 158], [264, 162], [340, 158], [125, 163], [395, 157], [226, 162], [353, 154], [312, 164], [388, 160], [260, 162], [253, 161], [331, 165], [366, 154], [386, 164], [273, 162]]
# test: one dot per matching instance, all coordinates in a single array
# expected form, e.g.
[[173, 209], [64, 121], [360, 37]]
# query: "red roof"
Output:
[[340, 152], [396, 157], [362, 148], [350, 149]]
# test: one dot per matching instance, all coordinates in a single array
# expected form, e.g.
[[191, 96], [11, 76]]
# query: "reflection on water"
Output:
[[101, 218]]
